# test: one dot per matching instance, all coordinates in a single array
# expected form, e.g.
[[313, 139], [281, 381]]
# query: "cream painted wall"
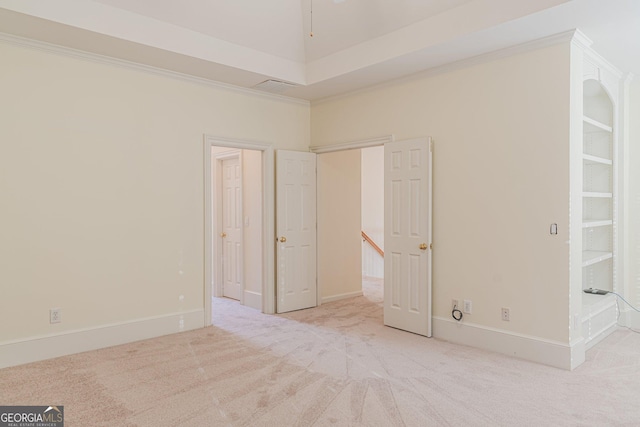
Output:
[[373, 193], [501, 177], [373, 209], [339, 239], [101, 177], [633, 258]]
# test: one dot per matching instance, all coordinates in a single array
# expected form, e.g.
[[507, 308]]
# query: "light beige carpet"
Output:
[[333, 365]]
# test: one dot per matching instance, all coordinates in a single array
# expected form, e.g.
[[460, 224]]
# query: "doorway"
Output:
[[261, 287], [407, 228], [350, 222], [237, 224]]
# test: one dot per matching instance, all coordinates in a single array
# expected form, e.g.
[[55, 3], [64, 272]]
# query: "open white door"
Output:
[[407, 238], [295, 230]]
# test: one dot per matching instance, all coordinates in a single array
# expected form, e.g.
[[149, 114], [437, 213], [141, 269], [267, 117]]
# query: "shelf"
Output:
[[598, 195], [599, 312], [597, 124], [596, 303], [594, 257], [589, 159], [588, 223]]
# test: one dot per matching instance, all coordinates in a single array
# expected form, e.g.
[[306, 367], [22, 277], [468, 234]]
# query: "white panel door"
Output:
[[232, 228], [295, 230], [407, 239]]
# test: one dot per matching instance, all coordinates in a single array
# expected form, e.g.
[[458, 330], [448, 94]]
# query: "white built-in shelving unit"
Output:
[[599, 199]]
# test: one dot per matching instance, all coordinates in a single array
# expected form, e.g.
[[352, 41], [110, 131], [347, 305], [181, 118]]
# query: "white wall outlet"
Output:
[[55, 315], [467, 306], [454, 304], [505, 314]]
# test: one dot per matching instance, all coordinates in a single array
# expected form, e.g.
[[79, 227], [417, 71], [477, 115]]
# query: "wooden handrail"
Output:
[[369, 240]]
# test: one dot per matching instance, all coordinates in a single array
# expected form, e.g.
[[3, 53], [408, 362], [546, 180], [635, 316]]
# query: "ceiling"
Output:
[[355, 43]]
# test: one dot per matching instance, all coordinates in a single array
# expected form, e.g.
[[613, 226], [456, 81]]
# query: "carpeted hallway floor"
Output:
[[333, 365]]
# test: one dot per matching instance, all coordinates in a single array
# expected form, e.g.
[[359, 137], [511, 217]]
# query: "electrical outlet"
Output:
[[454, 304], [467, 306], [55, 315], [505, 314]]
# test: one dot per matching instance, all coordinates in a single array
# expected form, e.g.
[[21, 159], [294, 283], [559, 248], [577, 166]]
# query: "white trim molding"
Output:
[[341, 296], [581, 40], [38, 348], [352, 145], [253, 299], [539, 350], [629, 318]]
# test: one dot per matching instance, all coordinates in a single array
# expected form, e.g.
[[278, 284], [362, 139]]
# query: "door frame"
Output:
[[268, 220], [217, 250]]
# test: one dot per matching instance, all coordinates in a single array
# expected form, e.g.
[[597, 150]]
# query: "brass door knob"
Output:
[[283, 239], [423, 246], [223, 234]]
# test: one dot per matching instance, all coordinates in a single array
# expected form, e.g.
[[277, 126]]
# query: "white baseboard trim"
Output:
[[578, 353], [253, 299], [47, 347], [630, 319], [341, 296], [601, 335], [546, 352]]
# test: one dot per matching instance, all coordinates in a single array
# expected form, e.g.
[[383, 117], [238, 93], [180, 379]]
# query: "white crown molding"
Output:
[[598, 60], [352, 145], [552, 40], [121, 63], [594, 57], [581, 40], [628, 78]]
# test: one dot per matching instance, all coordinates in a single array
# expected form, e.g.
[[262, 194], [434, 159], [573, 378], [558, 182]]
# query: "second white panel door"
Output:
[[407, 230], [296, 230], [232, 228]]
